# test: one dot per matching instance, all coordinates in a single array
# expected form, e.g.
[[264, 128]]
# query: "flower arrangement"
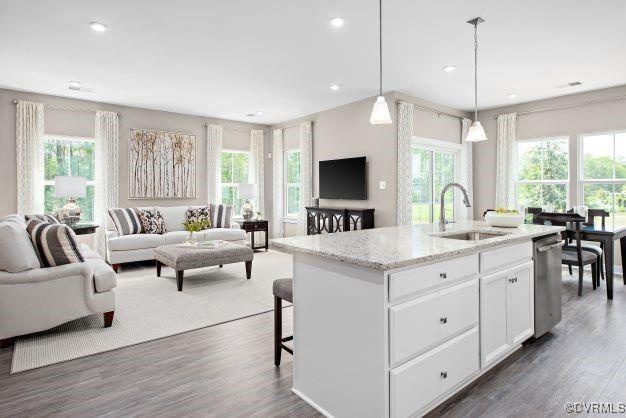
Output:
[[196, 226]]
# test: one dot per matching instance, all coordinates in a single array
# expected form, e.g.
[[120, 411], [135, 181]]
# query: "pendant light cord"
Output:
[[380, 47], [476, 70]]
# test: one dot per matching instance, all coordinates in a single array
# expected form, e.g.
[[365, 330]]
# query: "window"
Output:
[[69, 156], [543, 173], [292, 183], [234, 171], [603, 174], [434, 165]]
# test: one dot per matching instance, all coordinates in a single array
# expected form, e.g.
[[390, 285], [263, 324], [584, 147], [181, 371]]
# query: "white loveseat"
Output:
[[37, 298], [138, 247]]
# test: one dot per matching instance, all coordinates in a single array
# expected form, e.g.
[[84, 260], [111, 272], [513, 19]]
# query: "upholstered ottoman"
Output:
[[183, 257]]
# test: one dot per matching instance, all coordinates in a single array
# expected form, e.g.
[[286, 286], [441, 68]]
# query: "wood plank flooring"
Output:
[[228, 371]]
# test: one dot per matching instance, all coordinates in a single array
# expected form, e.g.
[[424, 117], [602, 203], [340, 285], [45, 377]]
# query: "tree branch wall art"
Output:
[[161, 165]]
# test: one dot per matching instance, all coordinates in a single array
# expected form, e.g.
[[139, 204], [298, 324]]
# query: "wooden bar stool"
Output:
[[283, 290]]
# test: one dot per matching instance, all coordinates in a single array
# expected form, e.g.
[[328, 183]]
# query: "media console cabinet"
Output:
[[332, 219]]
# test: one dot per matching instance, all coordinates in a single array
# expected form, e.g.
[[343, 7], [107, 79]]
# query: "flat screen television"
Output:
[[343, 179]]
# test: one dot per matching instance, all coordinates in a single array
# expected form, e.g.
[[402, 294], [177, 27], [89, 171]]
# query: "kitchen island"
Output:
[[393, 321]]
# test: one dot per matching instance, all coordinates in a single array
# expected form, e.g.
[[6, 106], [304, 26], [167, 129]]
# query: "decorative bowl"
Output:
[[504, 220]]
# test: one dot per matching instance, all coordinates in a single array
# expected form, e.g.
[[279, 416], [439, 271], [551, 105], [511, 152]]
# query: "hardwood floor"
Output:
[[228, 370]]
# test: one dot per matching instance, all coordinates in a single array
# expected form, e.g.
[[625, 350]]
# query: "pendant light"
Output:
[[476, 132], [380, 112]]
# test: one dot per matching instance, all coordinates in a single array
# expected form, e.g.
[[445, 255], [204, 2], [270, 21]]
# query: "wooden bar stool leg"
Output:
[[594, 275], [278, 329]]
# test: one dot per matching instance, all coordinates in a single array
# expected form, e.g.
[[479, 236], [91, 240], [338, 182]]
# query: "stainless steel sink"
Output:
[[473, 235]]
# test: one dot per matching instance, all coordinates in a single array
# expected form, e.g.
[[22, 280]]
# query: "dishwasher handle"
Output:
[[550, 247]]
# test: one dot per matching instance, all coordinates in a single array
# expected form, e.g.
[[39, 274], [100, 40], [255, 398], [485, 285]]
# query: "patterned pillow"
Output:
[[126, 220], [49, 219], [199, 214], [220, 215], [55, 244], [151, 221]]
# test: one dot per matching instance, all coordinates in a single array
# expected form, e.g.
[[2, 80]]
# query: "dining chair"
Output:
[[534, 212], [574, 255], [596, 249]]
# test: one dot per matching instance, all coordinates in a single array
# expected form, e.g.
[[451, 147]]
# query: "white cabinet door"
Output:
[[493, 318], [519, 300]]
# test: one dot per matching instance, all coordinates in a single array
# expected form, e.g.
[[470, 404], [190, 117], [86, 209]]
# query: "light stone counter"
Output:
[[393, 247]]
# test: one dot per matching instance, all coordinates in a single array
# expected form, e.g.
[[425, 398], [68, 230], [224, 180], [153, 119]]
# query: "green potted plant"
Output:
[[195, 226]]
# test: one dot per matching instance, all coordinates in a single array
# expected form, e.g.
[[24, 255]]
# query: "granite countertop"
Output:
[[393, 247]]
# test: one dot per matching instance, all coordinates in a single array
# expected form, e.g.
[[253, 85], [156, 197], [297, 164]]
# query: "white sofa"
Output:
[[36, 299], [139, 247]]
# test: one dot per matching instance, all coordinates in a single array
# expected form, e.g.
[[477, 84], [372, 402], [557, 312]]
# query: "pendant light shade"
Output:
[[380, 112], [476, 132]]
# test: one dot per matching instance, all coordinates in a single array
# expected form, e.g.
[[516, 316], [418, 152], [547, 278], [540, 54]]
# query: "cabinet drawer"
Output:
[[422, 323], [505, 257], [422, 380], [430, 277]]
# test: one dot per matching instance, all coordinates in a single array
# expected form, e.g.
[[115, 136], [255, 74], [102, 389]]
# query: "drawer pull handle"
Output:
[[513, 280], [443, 320], [443, 275], [444, 375]]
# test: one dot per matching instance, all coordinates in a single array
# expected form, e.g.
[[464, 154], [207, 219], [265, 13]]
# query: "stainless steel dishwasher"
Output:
[[548, 272]]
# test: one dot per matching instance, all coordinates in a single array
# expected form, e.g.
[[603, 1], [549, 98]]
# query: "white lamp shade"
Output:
[[247, 191], [380, 112], [476, 133], [69, 186]]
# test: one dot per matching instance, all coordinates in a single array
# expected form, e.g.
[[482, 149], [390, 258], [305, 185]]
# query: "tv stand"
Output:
[[320, 220]]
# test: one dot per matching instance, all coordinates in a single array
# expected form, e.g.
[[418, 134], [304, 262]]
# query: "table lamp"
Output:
[[247, 192], [71, 188]]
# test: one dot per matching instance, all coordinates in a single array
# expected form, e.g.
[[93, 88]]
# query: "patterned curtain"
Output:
[[277, 175], [107, 173], [214, 163], [257, 167], [467, 176], [29, 127], [306, 173], [405, 166], [506, 162]]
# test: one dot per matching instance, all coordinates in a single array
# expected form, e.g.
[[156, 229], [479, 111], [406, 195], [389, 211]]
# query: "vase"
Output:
[[192, 238]]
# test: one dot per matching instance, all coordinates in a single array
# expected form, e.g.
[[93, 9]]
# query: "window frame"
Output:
[[566, 182], [580, 173], [236, 214], [71, 138], [289, 217], [433, 146]]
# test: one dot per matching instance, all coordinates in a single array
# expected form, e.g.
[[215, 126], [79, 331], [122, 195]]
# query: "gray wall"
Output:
[[65, 122], [345, 131]]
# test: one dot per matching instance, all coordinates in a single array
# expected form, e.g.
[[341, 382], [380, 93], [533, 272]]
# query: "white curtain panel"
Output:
[[306, 173], [467, 175], [29, 127], [107, 151], [257, 167], [277, 175], [405, 165], [214, 134], [506, 162]]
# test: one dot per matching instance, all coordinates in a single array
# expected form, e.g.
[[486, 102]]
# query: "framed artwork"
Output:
[[161, 165]]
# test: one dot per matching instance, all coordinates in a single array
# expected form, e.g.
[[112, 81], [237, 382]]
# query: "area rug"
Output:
[[150, 307]]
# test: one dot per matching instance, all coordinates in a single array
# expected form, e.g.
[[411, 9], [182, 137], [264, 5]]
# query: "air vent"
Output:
[[574, 83]]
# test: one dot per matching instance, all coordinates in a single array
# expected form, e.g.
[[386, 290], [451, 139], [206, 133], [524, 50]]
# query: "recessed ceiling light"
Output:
[[449, 68], [337, 22], [259, 113], [334, 87], [74, 85], [512, 95], [98, 27]]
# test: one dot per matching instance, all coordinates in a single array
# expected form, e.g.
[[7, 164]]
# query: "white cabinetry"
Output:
[[506, 311]]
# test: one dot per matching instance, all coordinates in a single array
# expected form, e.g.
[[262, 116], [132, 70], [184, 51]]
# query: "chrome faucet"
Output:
[[442, 210]]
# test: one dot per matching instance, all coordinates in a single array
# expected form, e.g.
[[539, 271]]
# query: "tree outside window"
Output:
[[292, 183], [235, 170], [69, 156]]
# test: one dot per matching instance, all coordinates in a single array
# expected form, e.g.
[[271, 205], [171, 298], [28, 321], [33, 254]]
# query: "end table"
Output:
[[256, 226], [84, 228]]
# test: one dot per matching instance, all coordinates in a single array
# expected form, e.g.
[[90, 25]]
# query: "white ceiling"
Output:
[[232, 57]]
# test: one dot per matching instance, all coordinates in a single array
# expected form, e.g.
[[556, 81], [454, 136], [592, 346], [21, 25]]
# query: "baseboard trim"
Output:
[[311, 403]]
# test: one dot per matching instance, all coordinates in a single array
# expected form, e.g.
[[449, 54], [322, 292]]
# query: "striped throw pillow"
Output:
[[55, 244], [50, 219], [126, 220], [221, 215]]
